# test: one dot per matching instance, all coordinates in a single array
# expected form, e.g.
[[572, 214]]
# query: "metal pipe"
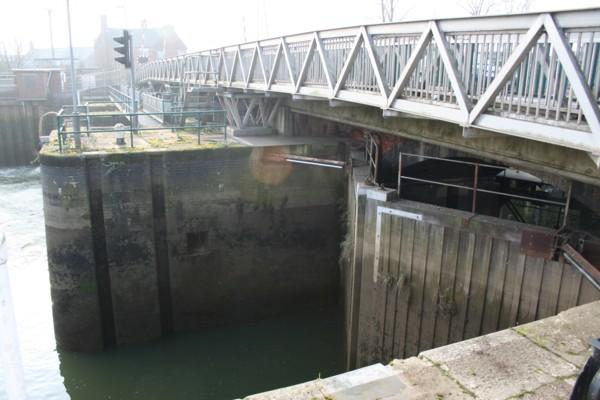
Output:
[[475, 181], [583, 265], [516, 196], [399, 173], [313, 163], [567, 205]]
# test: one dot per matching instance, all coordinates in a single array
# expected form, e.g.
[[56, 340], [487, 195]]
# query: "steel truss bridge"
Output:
[[535, 76]]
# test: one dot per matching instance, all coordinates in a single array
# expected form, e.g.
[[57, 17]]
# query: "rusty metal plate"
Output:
[[537, 244]]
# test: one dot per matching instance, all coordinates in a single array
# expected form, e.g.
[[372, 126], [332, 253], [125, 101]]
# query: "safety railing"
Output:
[[531, 75], [156, 105], [199, 123], [473, 184], [123, 99]]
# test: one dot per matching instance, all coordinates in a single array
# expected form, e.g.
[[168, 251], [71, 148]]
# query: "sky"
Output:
[[206, 24]]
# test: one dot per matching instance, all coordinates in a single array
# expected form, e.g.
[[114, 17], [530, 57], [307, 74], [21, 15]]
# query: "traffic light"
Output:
[[124, 49]]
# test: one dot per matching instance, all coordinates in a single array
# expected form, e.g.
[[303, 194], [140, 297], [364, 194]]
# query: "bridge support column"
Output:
[[250, 114]]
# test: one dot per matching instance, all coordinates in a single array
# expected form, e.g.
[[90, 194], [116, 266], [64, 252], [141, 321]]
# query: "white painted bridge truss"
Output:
[[535, 76]]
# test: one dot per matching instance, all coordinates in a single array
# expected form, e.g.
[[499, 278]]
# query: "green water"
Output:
[[221, 363]]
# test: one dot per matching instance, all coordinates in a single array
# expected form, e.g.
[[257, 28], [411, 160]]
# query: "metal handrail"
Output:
[[534, 75], [63, 118], [475, 188]]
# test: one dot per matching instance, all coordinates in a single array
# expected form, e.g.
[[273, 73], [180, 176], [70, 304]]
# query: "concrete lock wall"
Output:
[[19, 132], [141, 244], [427, 276]]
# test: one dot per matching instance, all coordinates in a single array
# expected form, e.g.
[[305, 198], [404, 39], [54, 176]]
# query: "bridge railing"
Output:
[[121, 98], [532, 75], [156, 105]]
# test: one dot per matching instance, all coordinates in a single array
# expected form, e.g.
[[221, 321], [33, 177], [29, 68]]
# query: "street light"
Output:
[[76, 129]]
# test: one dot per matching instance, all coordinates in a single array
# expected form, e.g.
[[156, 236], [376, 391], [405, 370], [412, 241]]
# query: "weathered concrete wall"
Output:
[[19, 132], [443, 276], [141, 244]]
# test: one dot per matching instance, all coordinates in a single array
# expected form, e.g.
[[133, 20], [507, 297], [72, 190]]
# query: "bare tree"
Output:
[[479, 7], [515, 6], [5, 64], [18, 58], [387, 10]]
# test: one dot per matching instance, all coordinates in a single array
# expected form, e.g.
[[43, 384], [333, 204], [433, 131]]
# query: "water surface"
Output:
[[220, 363]]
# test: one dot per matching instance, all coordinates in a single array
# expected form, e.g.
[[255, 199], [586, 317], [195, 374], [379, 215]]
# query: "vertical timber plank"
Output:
[[495, 287], [588, 293], [389, 328], [381, 288], [462, 285], [404, 283], [530, 291], [511, 297], [431, 289], [568, 295], [479, 280], [446, 305], [550, 289], [417, 283]]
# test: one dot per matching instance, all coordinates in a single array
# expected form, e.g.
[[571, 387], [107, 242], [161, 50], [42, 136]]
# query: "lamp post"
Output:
[[76, 128]]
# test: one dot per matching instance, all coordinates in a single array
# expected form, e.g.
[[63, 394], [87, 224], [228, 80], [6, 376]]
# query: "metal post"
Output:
[[567, 205], [475, 181], [131, 128], [198, 127], [399, 172], [76, 128], [224, 127], [59, 133], [134, 121], [51, 33], [88, 118]]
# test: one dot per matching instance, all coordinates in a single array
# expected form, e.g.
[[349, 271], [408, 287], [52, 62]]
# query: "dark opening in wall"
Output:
[[197, 242]]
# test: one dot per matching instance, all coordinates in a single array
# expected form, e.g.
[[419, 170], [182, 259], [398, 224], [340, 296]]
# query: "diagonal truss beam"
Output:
[[275, 66], [348, 64], [305, 64], [586, 100], [375, 64], [411, 64], [324, 61], [459, 89], [286, 55], [508, 69]]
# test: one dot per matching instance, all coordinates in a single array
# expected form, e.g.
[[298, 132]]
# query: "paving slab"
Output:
[[424, 380], [568, 334], [373, 382], [500, 365], [557, 390]]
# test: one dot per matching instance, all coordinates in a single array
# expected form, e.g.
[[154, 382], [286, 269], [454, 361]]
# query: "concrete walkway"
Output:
[[539, 360]]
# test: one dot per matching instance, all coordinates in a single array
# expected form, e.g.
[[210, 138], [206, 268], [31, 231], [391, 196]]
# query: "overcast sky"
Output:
[[205, 24]]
